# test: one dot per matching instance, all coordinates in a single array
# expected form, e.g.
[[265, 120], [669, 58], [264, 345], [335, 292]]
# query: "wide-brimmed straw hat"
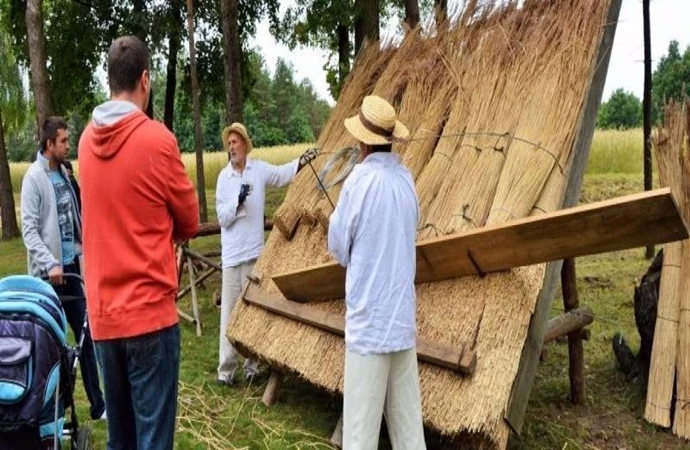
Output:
[[239, 129], [376, 123]]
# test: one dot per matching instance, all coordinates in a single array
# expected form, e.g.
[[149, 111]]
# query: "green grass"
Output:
[[304, 416]]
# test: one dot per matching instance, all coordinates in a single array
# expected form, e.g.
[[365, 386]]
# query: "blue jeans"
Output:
[[140, 379], [75, 312]]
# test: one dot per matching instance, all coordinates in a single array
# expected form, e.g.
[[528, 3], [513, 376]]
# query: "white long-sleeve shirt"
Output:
[[242, 228], [372, 232]]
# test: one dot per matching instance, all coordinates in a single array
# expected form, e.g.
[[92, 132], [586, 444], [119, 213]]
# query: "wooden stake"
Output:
[[569, 323], [576, 354], [195, 306], [681, 421], [336, 439], [272, 391]]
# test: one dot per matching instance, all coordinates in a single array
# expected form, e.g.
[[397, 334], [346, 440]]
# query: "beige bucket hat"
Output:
[[376, 123], [239, 129]]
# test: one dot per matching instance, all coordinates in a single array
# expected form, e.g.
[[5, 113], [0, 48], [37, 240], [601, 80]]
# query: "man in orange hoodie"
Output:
[[137, 199]]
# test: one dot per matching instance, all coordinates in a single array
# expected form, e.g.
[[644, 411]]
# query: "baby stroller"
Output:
[[37, 369]]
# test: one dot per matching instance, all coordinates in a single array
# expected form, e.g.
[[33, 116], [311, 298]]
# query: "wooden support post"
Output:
[[201, 279], [180, 262], [272, 391], [195, 307], [336, 439], [576, 355]]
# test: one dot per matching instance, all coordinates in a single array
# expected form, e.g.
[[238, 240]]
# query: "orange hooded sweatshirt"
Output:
[[136, 199]]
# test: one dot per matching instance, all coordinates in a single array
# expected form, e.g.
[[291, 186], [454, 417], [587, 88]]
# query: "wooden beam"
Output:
[[213, 228], [336, 439], [616, 224], [576, 352], [529, 360], [201, 279], [569, 322], [272, 391], [457, 358]]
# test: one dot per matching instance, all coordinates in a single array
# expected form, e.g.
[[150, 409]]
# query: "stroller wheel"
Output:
[[84, 438]]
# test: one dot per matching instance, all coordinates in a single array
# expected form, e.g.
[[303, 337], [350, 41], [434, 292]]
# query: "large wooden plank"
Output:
[[457, 358], [625, 222]]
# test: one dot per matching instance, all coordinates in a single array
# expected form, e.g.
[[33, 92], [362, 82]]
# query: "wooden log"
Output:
[[662, 368], [576, 355], [192, 285], [336, 439], [272, 391], [610, 225], [569, 322], [213, 228], [199, 257], [456, 358]]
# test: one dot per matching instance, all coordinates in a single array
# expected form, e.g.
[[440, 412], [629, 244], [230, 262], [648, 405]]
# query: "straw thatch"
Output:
[[507, 87], [671, 351]]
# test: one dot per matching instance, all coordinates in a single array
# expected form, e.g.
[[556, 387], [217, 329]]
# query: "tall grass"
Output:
[[612, 151], [615, 151], [214, 162]]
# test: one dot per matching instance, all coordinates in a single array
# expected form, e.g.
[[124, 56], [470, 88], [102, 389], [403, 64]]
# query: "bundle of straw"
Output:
[[671, 350]]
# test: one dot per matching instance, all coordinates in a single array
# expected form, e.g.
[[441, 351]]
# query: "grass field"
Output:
[[225, 418]]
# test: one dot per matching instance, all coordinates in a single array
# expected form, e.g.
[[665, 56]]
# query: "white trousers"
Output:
[[382, 384], [234, 279]]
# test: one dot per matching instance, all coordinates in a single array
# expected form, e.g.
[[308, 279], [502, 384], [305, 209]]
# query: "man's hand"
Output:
[[245, 190], [55, 275], [307, 157]]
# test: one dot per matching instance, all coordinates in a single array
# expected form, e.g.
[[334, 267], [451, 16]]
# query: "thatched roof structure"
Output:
[[515, 82]]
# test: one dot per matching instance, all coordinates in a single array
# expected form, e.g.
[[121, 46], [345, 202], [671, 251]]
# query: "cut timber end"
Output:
[[617, 224]]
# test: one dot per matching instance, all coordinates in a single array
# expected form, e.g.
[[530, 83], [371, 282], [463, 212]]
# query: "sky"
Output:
[[669, 20]]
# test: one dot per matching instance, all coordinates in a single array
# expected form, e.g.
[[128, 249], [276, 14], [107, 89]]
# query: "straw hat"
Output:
[[239, 129], [375, 124]]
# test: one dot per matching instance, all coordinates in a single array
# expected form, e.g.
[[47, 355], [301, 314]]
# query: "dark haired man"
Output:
[[137, 199], [51, 228]]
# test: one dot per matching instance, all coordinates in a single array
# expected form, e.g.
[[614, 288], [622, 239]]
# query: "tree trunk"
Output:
[[647, 107], [412, 13], [198, 139], [174, 42], [343, 55], [441, 7], [366, 22], [7, 212], [40, 81], [232, 60]]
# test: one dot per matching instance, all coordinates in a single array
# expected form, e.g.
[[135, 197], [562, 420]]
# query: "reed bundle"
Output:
[[507, 86], [670, 354]]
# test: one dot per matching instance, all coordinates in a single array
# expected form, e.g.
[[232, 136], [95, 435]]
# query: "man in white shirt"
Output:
[[372, 232], [240, 195]]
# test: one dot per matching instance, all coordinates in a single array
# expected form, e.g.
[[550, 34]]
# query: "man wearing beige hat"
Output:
[[240, 195], [372, 232]]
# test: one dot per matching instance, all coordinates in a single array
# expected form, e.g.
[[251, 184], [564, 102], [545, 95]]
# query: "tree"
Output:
[[672, 73], [647, 108], [412, 13], [623, 110], [175, 26], [37, 55], [232, 60], [12, 114], [366, 21], [201, 184]]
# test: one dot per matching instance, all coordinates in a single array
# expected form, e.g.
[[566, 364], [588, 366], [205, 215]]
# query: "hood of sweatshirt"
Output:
[[113, 123]]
